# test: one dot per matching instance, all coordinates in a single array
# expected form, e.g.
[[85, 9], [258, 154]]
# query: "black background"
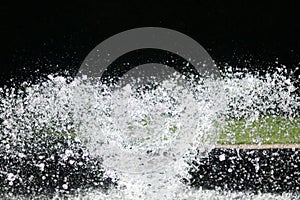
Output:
[[42, 38]]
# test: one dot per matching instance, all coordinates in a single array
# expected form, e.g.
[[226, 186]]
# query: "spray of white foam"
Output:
[[147, 137]]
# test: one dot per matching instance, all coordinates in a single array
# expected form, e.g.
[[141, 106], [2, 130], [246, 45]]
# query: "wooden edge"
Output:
[[257, 146]]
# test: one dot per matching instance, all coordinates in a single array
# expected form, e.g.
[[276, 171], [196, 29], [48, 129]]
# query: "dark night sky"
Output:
[[41, 36]]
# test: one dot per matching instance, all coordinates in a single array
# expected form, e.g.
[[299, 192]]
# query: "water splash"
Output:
[[145, 138]]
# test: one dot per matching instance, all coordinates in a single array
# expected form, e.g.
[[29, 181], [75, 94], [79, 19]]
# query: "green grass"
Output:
[[266, 130]]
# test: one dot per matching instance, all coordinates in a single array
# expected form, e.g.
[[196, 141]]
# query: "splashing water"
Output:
[[145, 138]]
